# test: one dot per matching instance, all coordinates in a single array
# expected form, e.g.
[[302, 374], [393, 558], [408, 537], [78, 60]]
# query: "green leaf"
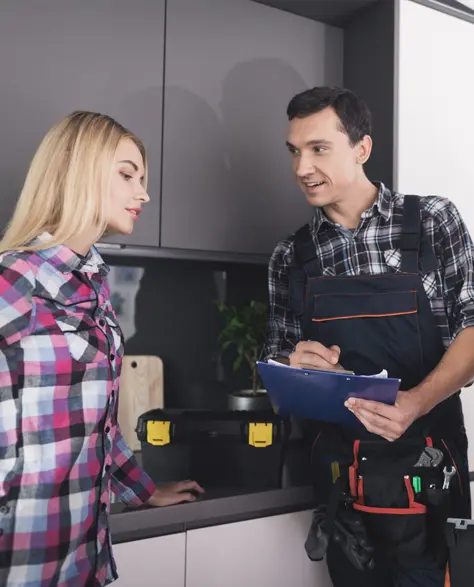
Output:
[[237, 363], [245, 329]]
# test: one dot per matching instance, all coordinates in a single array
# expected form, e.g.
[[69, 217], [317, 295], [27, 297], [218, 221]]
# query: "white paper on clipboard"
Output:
[[382, 375]]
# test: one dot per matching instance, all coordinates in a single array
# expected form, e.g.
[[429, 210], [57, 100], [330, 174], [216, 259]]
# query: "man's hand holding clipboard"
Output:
[[312, 384]]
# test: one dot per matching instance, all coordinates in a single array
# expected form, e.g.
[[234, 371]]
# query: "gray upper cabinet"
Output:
[[231, 68], [57, 56], [335, 12]]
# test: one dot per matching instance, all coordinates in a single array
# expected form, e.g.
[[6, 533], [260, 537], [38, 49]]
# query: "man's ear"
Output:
[[364, 149]]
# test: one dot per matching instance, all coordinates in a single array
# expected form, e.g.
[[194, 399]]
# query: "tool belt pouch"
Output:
[[406, 525], [339, 522]]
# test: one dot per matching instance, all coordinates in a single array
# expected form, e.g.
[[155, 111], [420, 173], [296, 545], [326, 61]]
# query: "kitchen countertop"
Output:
[[217, 506]]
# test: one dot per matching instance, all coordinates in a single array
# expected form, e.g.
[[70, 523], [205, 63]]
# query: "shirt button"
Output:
[[107, 429], [112, 357], [101, 322], [107, 468], [4, 509]]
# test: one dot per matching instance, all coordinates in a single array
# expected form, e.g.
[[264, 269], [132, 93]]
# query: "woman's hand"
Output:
[[175, 493]]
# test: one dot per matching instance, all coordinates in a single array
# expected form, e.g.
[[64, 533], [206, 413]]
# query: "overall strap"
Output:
[[305, 263], [305, 251], [411, 234]]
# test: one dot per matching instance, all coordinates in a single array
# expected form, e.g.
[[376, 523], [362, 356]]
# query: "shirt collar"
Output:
[[382, 205], [66, 260]]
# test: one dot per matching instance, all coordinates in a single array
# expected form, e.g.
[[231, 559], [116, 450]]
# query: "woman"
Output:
[[61, 449]]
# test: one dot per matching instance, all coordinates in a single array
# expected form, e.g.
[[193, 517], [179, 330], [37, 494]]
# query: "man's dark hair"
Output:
[[354, 114]]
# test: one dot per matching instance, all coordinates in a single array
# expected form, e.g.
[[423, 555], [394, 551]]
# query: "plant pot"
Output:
[[246, 400]]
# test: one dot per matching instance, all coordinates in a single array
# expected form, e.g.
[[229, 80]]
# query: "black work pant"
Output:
[[344, 574]]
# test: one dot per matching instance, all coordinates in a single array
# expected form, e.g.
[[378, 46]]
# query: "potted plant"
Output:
[[244, 330]]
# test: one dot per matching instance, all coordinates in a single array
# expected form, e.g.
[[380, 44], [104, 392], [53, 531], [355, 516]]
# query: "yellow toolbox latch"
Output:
[[260, 434], [158, 433]]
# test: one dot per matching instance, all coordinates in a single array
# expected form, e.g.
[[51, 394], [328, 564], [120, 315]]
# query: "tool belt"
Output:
[[397, 496]]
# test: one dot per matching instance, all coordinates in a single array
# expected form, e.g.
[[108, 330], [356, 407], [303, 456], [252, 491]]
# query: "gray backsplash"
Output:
[[167, 308]]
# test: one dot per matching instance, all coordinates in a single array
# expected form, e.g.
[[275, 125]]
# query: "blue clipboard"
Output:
[[320, 395]]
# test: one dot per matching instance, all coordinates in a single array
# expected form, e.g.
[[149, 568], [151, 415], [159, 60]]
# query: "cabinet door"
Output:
[[231, 68], [156, 562], [57, 56], [268, 552]]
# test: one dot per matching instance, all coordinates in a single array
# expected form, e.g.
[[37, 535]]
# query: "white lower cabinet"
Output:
[[267, 552], [155, 562]]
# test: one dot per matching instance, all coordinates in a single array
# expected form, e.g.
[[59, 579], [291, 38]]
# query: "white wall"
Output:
[[435, 102], [435, 126]]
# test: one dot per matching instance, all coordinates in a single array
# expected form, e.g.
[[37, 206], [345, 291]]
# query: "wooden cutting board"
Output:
[[141, 389]]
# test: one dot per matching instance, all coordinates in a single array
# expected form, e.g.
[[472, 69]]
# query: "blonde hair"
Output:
[[67, 184]]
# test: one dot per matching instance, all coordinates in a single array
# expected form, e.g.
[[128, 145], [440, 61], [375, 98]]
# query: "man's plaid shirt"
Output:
[[372, 249]]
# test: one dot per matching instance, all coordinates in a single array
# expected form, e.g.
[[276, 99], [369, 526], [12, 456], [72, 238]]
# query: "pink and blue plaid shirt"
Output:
[[61, 450]]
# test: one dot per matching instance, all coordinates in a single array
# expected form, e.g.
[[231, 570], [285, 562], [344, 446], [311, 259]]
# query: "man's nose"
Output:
[[304, 167]]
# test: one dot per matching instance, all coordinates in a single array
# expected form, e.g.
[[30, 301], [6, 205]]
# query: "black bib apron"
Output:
[[380, 322]]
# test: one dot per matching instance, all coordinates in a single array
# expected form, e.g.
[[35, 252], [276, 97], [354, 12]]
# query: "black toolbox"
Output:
[[238, 449]]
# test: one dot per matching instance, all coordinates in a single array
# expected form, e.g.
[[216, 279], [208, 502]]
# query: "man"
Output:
[[378, 281]]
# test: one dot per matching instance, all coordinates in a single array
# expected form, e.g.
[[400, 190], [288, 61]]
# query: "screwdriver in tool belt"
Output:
[[416, 482]]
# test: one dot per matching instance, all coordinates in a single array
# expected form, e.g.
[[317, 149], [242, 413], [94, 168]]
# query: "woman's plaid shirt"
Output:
[[61, 449]]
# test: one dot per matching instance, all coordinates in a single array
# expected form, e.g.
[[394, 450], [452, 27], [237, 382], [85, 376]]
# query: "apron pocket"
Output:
[[400, 534], [401, 524], [386, 319], [341, 306], [400, 538]]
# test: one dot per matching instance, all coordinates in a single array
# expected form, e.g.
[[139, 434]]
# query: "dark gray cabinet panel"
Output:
[[231, 68], [335, 12], [370, 74], [57, 56]]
